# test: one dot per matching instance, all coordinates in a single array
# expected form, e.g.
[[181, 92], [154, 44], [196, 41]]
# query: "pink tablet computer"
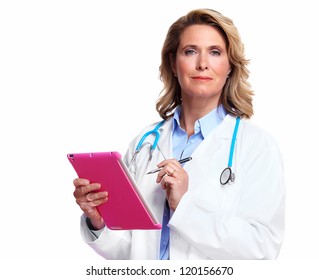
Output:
[[125, 209]]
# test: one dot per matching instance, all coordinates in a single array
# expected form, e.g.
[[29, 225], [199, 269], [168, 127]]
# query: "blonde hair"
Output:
[[236, 95]]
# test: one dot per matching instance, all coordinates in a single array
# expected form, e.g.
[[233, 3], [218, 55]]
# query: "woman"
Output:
[[205, 94]]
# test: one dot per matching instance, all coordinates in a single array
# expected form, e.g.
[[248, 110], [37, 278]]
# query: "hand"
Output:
[[173, 179], [88, 200]]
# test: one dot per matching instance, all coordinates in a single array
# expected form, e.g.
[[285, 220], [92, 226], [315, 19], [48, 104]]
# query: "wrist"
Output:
[[94, 226]]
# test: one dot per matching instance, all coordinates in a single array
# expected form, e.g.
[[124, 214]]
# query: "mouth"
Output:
[[202, 78]]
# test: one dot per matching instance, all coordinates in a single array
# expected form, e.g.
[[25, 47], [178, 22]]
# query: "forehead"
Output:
[[199, 34]]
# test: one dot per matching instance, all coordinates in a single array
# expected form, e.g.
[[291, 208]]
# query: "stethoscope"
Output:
[[226, 176], [141, 143]]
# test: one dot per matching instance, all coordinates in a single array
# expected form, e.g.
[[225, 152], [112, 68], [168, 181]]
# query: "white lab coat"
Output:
[[242, 220]]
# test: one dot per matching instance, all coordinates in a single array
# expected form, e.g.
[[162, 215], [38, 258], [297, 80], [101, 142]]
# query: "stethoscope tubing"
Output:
[[232, 147], [157, 136]]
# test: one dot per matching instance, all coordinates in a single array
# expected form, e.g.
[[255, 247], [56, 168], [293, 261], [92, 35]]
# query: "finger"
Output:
[[172, 161], [163, 183], [171, 166], [84, 190], [89, 206], [100, 201], [160, 175], [166, 182], [78, 182], [94, 203], [92, 196], [169, 170]]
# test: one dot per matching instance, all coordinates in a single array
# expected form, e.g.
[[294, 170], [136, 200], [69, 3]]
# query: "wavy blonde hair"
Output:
[[236, 95]]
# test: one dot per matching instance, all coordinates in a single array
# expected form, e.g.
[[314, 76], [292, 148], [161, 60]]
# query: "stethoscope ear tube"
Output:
[[157, 136]]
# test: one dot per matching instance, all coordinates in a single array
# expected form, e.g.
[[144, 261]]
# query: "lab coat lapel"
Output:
[[165, 142], [153, 193], [216, 139]]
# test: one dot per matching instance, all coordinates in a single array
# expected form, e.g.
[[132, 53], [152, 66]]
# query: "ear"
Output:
[[229, 71]]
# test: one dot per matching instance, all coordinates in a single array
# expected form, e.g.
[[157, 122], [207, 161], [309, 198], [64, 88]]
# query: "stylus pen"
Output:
[[159, 169]]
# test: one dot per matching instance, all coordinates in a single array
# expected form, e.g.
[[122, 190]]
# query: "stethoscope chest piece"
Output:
[[227, 176]]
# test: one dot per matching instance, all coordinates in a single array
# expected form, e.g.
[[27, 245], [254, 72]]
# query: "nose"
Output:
[[202, 63]]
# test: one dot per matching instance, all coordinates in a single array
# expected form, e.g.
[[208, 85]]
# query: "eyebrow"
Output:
[[196, 47]]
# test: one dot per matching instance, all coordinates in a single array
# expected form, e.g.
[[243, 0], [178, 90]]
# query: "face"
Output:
[[202, 63]]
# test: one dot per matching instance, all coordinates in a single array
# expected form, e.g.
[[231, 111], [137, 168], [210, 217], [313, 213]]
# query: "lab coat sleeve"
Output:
[[254, 228], [110, 244]]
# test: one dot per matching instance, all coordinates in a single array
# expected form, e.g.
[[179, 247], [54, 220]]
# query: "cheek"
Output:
[[222, 68], [184, 66]]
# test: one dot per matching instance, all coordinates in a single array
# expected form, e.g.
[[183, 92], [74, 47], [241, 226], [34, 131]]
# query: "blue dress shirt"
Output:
[[184, 146]]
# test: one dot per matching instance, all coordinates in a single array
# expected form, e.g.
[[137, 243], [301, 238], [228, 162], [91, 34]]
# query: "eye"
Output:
[[215, 52], [190, 51]]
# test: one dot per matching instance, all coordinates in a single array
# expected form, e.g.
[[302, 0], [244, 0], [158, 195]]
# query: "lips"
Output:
[[202, 78]]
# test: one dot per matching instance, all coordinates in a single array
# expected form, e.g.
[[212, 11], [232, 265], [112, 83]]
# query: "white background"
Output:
[[83, 76]]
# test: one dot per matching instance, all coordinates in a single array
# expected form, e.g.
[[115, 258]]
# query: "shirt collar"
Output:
[[205, 124]]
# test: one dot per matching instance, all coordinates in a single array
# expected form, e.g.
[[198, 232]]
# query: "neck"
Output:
[[191, 112]]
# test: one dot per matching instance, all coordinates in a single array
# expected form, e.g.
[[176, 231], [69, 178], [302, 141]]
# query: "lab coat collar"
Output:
[[223, 131], [165, 142], [216, 138], [226, 128], [207, 123]]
